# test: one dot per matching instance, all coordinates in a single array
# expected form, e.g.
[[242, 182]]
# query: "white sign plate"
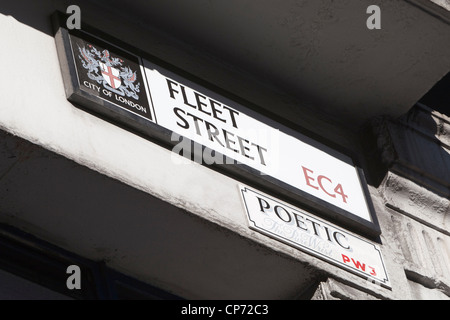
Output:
[[301, 230], [156, 102], [222, 125]]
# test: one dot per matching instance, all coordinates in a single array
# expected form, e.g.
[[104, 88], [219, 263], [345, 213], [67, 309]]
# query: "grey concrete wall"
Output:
[[415, 192]]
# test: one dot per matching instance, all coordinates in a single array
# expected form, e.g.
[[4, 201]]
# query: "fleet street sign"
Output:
[[310, 234], [222, 125], [108, 78]]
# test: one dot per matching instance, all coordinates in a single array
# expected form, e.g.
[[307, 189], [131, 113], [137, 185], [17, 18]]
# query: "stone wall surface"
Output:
[[415, 191]]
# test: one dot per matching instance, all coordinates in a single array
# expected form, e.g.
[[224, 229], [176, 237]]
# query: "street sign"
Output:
[[233, 130], [315, 236], [108, 78]]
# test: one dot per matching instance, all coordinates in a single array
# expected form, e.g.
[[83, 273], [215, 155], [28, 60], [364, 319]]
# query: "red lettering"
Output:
[[309, 178], [340, 191], [345, 258], [319, 180], [337, 190], [358, 265]]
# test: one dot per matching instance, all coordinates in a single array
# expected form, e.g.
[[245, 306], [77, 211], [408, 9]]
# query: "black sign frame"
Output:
[[152, 131]]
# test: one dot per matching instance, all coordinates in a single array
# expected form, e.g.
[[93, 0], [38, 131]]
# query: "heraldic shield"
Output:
[[111, 75]]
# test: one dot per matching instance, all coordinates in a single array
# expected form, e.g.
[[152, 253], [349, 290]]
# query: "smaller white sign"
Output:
[[302, 230]]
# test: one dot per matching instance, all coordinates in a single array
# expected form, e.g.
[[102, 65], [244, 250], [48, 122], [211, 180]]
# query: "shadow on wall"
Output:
[[35, 14], [416, 145], [438, 98]]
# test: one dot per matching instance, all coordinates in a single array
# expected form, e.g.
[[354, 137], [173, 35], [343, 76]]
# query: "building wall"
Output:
[[106, 194], [415, 192]]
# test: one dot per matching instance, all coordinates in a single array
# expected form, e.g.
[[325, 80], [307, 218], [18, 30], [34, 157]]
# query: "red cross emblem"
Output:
[[111, 75]]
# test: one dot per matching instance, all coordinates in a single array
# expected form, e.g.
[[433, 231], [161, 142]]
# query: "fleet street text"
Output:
[[204, 122]]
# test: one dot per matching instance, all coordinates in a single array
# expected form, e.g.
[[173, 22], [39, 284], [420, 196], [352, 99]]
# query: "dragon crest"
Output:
[[92, 60]]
